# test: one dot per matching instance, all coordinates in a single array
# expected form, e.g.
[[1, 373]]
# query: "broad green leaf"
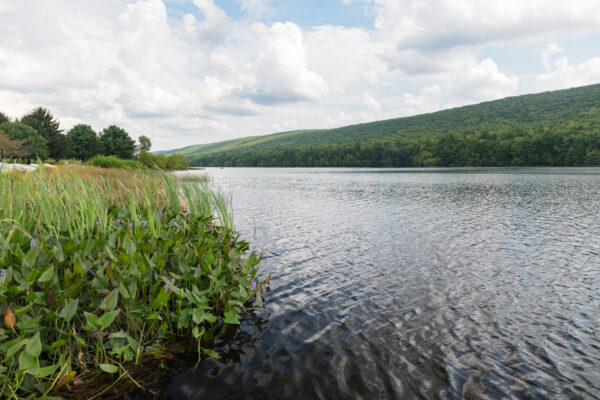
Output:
[[58, 343], [13, 346], [211, 353], [111, 369], [42, 387], [259, 299], [133, 289], [29, 324], [47, 274], [26, 361], [118, 335], [162, 300], [42, 372], [129, 246], [199, 316], [231, 317], [92, 319], [58, 253], [109, 303], [34, 347], [123, 291], [29, 260], [68, 311], [153, 315], [198, 333], [107, 319]]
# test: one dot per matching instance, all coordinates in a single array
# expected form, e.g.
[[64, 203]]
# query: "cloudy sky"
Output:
[[186, 72]]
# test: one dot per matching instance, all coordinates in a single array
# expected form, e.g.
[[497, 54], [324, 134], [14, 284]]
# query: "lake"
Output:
[[413, 283]]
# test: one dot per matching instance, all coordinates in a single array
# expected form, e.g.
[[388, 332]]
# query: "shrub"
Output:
[[98, 273], [114, 162], [172, 162]]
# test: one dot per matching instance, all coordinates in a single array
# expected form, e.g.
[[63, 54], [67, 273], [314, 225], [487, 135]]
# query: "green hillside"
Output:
[[553, 128]]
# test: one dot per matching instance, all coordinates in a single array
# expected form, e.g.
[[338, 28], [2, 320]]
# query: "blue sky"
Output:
[[185, 72], [304, 13]]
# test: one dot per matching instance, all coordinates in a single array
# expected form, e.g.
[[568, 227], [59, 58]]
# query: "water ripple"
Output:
[[392, 284]]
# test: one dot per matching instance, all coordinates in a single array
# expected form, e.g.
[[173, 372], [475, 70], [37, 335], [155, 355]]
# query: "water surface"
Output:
[[443, 284]]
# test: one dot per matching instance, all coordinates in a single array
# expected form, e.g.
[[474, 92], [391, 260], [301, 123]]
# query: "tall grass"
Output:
[[78, 199], [100, 267]]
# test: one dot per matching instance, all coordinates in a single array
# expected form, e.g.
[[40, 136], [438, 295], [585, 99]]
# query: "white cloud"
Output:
[[124, 63], [215, 26], [370, 103], [205, 76], [434, 39], [279, 66], [564, 75], [442, 24], [340, 119], [549, 51], [285, 125], [482, 81], [347, 57], [256, 8]]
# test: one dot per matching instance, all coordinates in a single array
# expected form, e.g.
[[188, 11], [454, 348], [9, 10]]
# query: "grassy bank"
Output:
[[102, 268]]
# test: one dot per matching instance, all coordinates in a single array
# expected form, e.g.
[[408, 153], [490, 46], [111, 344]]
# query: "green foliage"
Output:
[[553, 128], [11, 147], [34, 146], [172, 162], [84, 142], [47, 126], [101, 272], [113, 162], [3, 118], [145, 143], [177, 162], [116, 142]]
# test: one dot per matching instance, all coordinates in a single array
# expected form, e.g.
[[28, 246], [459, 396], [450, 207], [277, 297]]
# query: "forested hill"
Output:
[[553, 128]]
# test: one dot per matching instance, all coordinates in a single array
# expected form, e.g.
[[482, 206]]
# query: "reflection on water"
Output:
[[446, 284]]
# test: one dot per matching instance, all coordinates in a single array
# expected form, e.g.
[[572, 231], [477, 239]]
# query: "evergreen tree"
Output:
[[47, 126], [85, 144], [117, 142]]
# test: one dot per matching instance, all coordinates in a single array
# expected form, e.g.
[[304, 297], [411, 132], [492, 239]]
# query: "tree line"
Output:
[[568, 145], [38, 135], [553, 128]]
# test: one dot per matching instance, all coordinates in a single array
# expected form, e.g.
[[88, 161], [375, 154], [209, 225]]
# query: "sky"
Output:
[[186, 72]]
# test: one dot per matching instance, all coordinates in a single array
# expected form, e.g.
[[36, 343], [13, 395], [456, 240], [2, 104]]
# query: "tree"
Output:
[[146, 158], [35, 145], [84, 142], [173, 162], [47, 126], [116, 142], [145, 143], [177, 161], [3, 118], [11, 147]]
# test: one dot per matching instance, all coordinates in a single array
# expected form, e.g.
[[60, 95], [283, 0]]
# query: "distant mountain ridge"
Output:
[[553, 128]]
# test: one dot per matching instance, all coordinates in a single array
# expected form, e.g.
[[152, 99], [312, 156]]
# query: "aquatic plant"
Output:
[[103, 268]]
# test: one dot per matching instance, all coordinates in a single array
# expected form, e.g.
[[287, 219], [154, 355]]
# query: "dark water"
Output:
[[414, 284]]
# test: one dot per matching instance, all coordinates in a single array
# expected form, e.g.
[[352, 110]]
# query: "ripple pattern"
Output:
[[419, 284]]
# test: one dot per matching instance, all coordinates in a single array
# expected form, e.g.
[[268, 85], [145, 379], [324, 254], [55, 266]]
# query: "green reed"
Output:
[[103, 268]]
